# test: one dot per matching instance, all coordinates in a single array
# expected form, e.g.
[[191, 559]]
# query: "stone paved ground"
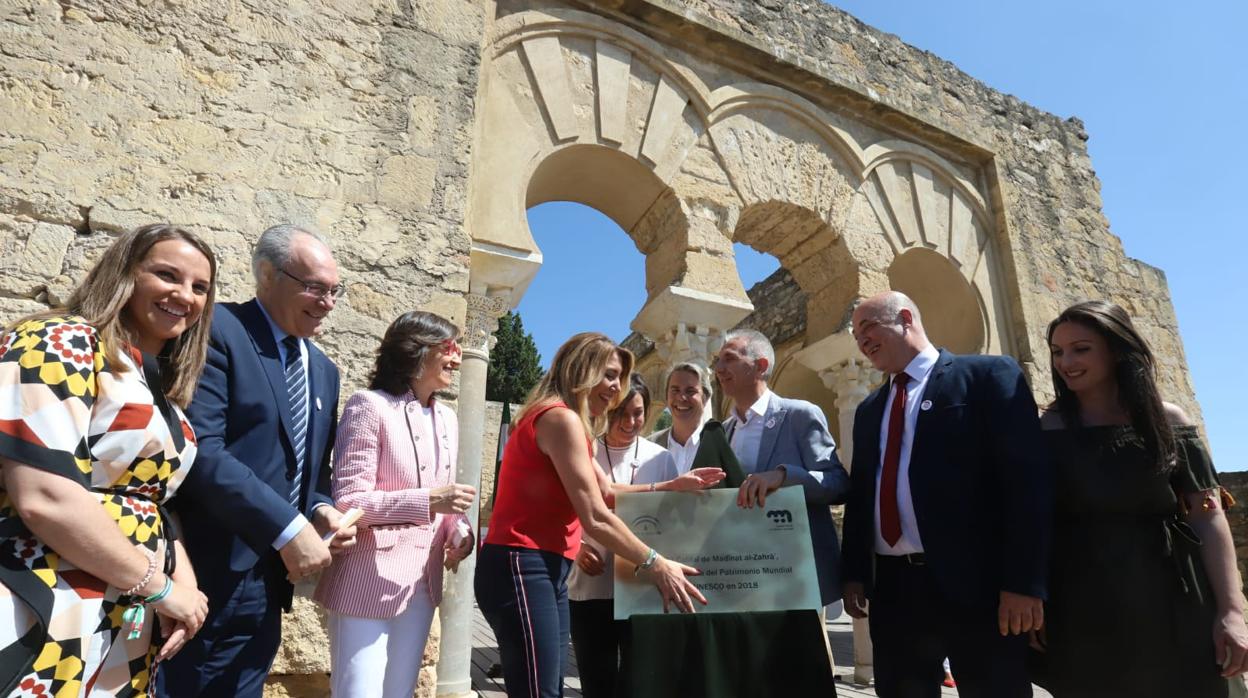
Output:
[[485, 653]]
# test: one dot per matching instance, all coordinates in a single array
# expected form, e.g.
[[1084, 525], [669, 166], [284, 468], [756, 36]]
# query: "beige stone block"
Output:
[[60, 289], [457, 21], [422, 120], [427, 683], [379, 238], [714, 274], [665, 265], [14, 308], [367, 301], [451, 306], [45, 249], [105, 216], [305, 643], [406, 182]]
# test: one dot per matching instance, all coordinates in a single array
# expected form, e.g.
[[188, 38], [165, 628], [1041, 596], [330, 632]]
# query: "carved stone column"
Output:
[[853, 380], [687, 325], [455, 660], [684, 344], [843, 370]]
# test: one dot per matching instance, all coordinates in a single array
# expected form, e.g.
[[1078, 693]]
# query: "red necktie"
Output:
[[890, 519]]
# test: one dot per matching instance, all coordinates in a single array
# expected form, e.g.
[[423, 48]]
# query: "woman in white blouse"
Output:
[[629, 464]]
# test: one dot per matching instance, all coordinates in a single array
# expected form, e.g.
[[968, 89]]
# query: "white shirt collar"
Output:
[[922, 363], [759, 407], [691, 441]]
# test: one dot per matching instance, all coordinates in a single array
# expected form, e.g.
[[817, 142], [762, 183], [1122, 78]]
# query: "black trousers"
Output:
[[596, 641], [914, 627]]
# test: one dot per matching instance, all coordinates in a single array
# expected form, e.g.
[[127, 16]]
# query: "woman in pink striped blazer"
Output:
[[395, 461]]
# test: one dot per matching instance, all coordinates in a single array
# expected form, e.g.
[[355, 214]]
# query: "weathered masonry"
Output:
[[416, 134]]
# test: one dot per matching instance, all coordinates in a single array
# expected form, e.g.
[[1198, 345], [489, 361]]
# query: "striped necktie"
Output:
[[297, 393]]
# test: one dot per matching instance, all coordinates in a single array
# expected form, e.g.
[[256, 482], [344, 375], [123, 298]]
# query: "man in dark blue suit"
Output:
[[948, 523], [256, 506]]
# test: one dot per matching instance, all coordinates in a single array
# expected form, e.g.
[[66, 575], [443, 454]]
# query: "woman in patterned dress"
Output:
[[92, 444]]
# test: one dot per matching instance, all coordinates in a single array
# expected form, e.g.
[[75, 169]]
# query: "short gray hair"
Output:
[[274, 246], [757, 346], [704, 377]]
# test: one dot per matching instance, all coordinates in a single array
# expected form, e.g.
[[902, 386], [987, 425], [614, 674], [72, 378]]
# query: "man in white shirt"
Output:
[[778, 442], [947, 527], [688, 389]]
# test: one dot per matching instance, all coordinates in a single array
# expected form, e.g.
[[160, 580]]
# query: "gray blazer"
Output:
[[795, 435], [661, 437]]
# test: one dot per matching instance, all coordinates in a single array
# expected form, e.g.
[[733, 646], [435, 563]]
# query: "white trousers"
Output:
[[374, 657]]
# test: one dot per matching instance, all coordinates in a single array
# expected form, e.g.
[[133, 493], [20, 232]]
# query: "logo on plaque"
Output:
[[781, 519], [647, 525]]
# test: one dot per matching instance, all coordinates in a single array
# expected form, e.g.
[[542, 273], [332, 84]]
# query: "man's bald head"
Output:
[[889, 331]]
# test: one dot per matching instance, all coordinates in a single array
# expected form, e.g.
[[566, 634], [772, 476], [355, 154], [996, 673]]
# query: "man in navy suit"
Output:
[[947, 528], [782, 442], [256, 504]]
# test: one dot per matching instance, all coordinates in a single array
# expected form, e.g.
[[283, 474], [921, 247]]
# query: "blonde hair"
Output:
[[577, 368], [101, 300]]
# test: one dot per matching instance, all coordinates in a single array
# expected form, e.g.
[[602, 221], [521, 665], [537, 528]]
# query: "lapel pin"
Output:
[[925, 405], [771, 423], [318, 403]]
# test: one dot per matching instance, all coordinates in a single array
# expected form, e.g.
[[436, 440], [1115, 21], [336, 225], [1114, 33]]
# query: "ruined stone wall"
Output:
[[779, 308], [1237, 516], [1056, 237], [228, 117], [489, 451]]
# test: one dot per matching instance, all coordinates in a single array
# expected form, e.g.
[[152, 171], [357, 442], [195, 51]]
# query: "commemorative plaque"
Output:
[[756, 559]]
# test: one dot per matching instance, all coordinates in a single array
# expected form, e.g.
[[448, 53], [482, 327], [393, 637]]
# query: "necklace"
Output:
[[611, 465]]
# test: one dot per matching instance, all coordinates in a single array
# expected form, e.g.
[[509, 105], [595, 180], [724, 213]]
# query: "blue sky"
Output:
[[1161, 88]]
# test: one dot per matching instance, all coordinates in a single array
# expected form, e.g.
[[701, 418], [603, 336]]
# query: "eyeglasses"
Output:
[[451, 347], [320, 291]]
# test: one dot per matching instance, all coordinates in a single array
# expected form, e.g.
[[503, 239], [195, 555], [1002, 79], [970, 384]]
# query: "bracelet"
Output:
[[136, 614], [160, 595], [652, 487], [650, 558], [151, 570]]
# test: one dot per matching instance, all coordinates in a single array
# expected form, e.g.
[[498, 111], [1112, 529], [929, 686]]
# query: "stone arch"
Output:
[[814, 253], [584, 100], [922, 202], [594, 112], [625, 191], [947, 302]]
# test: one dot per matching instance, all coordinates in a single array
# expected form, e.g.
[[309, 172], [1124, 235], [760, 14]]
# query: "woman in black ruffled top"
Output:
[[1144, 597]]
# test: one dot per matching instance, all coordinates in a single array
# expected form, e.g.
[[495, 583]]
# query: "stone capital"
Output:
[[481, 321], [502, 271], [852, 380], [838, 363], [688, 325]]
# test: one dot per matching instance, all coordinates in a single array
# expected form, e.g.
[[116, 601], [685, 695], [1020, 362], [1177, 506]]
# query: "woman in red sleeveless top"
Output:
[[548, 489]]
